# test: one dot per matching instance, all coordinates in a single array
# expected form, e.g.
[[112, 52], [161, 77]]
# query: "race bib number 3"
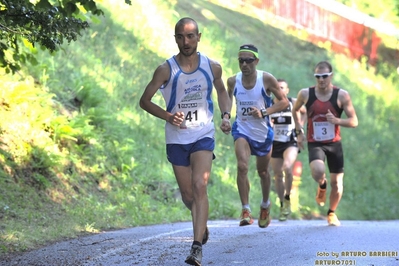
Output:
[[323, 131]]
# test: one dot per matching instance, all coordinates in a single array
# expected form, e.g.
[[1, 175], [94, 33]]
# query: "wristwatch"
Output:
[[226, 113], [298, 132], [264, 112]]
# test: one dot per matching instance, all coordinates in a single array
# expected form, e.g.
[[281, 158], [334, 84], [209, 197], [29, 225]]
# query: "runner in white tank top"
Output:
[[246, 124], [189, 93], [186, 82], [252, 132]]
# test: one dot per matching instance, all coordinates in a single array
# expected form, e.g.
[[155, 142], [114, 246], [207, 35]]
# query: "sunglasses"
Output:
[[324, 75], [246, 60]]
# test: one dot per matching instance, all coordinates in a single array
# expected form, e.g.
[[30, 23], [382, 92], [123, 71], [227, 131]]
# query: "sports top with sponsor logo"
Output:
[[190, 93], [254, 128], [283, 124], [318, 128]]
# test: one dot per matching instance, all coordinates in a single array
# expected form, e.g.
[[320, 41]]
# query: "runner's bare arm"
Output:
[[346, 103], [301, 100], [302, 113], [223, 97], [160, 77], [281, 102]]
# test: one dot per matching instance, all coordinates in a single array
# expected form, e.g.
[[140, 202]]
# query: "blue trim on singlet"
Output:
[[268, 102], [209, 91], [170, 75], [266, 98], [172, 101]]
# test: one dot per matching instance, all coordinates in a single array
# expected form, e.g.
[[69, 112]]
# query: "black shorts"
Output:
[[333, 151], [280, 147]]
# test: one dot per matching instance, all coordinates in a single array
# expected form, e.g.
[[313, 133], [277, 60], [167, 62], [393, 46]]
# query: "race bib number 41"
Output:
[[194, 115]]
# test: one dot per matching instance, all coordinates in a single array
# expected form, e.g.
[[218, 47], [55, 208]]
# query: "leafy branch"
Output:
[[42, 24]]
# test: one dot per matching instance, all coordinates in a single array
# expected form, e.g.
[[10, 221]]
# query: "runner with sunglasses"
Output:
[[324, 104], [251, 130]]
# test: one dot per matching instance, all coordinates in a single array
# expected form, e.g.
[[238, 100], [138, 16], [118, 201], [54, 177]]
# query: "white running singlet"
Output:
[[283, 124], [190, 93], [255, 128]]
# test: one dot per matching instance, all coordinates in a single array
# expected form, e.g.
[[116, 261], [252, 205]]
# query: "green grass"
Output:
[[79, 156]]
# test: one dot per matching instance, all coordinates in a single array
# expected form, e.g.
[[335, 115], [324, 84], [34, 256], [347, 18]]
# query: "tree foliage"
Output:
[[386, 10], [43, 23]]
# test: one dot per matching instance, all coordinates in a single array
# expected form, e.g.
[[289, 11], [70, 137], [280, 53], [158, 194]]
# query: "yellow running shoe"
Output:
[[333, 220], [246, 217], [321, 196], [285, 210], [286, 207], [264, 217], [282, 217]]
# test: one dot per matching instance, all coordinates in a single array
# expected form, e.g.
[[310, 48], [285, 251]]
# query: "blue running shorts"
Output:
[[257, 148], [179, 154]]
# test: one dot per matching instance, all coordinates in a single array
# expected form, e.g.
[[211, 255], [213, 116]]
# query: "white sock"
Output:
[[264, 205], [246, 206]]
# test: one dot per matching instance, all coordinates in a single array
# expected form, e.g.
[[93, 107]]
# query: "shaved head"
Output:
[[185, 21]]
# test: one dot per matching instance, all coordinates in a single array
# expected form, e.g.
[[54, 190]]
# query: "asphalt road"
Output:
[[371, 243]]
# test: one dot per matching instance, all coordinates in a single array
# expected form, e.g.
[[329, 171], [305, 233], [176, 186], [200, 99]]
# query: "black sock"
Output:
[[287, 197], [329, 211], [197, 243], [281, 204], [324, 186]]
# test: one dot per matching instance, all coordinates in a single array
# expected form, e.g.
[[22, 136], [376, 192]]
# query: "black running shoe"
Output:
[[195, 256]]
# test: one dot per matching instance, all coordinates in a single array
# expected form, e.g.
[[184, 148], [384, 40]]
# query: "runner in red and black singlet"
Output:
[[324, 105], [318, 128]]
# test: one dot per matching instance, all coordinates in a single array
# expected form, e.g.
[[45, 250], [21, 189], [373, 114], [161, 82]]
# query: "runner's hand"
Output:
[[331, 117], [301, 141], [225, 126], [176, 119], [255, 112]]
